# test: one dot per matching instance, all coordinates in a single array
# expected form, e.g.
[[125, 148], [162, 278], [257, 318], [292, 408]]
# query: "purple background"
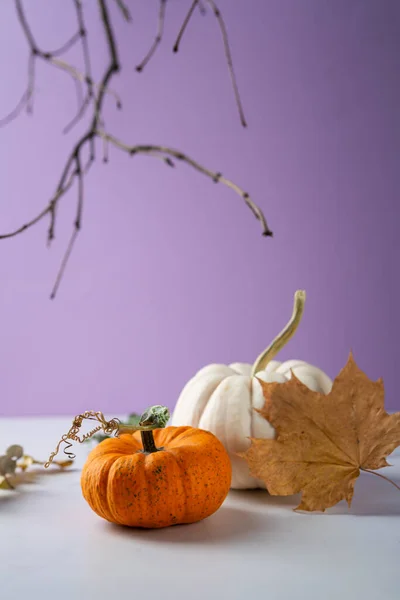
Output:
[[170, 272]]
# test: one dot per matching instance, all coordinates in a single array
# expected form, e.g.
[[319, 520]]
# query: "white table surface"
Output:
[[54, 547]]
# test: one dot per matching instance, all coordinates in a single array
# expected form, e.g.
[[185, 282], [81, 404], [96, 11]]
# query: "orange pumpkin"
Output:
[[181, 475]]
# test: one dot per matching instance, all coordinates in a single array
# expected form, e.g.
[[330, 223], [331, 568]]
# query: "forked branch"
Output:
[[165, 152], [157, 39], [77, 164]]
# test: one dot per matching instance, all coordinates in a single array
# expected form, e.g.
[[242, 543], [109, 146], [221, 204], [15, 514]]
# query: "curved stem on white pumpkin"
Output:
[[284, 336]]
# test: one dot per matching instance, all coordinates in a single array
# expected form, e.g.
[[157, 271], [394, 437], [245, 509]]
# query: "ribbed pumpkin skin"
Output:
[[186, 482]]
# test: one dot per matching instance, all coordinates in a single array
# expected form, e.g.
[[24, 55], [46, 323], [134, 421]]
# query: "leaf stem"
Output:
[[382, 477]]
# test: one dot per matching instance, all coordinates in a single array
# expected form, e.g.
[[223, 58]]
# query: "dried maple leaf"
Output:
[[323, 441]]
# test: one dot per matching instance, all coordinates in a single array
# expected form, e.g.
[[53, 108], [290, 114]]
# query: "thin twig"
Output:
[[229, 61], [35, 52], [53, 59], [225, 39], [64, 263], [105, 150], [47, 210], [92, 155], [85, 44], [96, 94], [52, 225], [184, 25], [111, 69], [50, 57], [31, 77], [173, 153], [79, 95], [68, 45], [25, 26], [124, 10], [75, 74], [26, 96], [79, 175], [79, 115], [87, 65], [157, 39], [27, 225]]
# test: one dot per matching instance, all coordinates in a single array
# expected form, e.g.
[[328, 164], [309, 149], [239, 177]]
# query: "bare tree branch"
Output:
[[79, 175], [112, 68], [68, 45], [124, 10], [47, 210], [53, 59], [77, 225], [77, 75], [225, 39], [157, 39], [88, 71], [26, 96], [25, 27], [92, 155], [64, 263], [184, 25], [84, 148], [105, 150], [229, 61], [172, 153]]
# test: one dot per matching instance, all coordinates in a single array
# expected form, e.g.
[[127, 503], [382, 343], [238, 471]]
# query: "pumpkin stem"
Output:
[[284, 336], [148, 442], [157, 417]]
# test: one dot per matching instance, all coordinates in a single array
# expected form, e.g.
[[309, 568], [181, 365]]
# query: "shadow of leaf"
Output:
[[372, 497], [264, 499]]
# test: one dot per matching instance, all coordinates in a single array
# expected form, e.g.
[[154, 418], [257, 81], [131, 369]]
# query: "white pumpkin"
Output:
[[222, 398]]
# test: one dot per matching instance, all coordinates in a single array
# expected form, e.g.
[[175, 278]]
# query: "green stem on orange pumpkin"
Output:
[[284, 336], [148, 442], [155, 417]]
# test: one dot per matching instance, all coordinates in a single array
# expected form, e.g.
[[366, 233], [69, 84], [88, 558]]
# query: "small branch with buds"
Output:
[[168, 154]]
